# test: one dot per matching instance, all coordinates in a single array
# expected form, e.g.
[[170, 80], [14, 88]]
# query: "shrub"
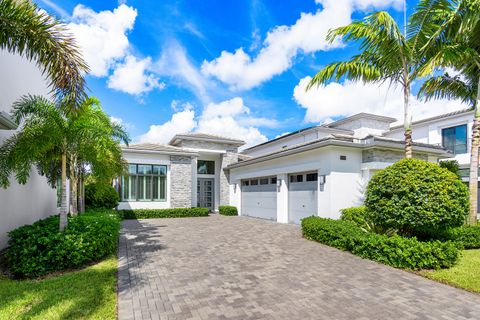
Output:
[[163, 213], [228, 210], [356, 215], [397, 251], [101, 195], [468, 237], [451, 165], [38, 249], [416, 197]]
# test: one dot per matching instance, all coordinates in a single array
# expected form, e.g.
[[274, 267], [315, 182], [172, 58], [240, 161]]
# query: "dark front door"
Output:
[[205, 193]]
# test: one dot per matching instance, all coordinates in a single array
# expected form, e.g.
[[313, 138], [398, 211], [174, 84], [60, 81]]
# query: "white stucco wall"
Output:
[[343, 178], [22, 204]]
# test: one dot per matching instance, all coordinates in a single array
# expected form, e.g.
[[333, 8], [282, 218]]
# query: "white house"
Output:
[[21, 204], [313, 171]]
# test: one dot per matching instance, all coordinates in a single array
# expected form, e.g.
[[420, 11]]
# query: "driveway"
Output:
[[242, 268]]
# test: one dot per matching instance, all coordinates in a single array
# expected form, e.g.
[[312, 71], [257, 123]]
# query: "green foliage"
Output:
[[451, 165], [33, 33], [163, 213], [416, 198], [356, 215], [101, 195], [468, 237], [38, 249], [228, 210], [397, 251]]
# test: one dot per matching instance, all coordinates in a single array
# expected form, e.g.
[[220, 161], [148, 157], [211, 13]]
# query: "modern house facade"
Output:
[[313, 171], [21, 204]]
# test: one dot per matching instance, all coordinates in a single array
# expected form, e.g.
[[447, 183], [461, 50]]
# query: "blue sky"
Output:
[[234, 68]]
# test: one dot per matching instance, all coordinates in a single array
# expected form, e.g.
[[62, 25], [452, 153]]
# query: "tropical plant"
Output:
[[32, 33], [452, 40], [387, 55], [55, 140], [451, 165]]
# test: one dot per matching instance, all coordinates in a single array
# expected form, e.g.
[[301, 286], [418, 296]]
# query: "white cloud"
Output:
[[240, 71], [132, 76], [102, 36], [230, 118], [347, 98], [181, 122], [121, 122]]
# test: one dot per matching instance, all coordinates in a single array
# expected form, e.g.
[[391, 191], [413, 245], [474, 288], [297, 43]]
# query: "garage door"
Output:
[[259, 198], [302, 196]]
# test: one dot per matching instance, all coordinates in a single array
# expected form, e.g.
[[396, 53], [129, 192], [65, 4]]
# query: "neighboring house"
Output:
[[314, 171], [21, 204]]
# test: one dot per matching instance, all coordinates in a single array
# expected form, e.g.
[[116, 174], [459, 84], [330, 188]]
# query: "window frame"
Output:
[[206, 166], [150, 173], [454, 146]]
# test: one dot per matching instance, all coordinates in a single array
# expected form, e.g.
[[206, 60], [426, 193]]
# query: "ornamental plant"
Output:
[[417, 198]]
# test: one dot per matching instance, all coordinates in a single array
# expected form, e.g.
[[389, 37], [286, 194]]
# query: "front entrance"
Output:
[[205, 192]]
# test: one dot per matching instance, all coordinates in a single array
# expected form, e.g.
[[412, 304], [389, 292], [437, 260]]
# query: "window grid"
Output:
[[144, 183]]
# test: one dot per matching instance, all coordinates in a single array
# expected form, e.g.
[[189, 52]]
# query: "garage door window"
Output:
[[254, 182], [296, 178], [264, 181], [312, 176], [245, 183], [273, 180]]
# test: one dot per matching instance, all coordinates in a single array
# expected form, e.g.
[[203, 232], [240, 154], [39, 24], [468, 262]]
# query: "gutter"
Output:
[[7, 122]]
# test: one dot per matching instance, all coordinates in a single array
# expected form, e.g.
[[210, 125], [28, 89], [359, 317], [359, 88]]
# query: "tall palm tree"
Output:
[[32, 33], [387, 54], [453, 41], [55, 140]]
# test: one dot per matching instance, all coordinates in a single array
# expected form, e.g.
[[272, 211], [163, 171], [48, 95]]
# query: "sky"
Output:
[[234, 68]]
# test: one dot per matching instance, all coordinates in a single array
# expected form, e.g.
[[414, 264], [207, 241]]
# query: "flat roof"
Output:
[[6, 122], [206, 137]]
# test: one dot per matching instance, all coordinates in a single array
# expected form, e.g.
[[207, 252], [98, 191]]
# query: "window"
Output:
[[454, 139], [312, 176], [253, 182], [245, 183], [264, 181], [273, 180], [144, 182], [205, 167], [296, 178]]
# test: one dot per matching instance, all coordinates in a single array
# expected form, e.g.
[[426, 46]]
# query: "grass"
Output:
[[89, 293], [465, 274]]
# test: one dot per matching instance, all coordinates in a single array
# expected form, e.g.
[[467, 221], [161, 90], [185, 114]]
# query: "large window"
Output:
[[454, 139], [205, 167], [144, 182]]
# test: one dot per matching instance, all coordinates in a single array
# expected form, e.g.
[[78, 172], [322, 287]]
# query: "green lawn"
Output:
[[86, 294], [466, 274]]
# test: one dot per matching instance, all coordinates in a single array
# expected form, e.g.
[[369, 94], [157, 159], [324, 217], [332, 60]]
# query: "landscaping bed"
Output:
[[162, 213]]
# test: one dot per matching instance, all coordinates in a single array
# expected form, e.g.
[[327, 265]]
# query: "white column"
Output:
[[324, 201], [282, 198], [236, 195]]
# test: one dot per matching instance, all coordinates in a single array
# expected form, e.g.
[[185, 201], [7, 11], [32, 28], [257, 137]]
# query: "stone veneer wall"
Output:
[[379, 155], [181, 181], [196, 144], [227, 159]]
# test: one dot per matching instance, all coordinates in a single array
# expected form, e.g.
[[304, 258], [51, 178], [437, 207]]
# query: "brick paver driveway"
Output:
[[242, 268]]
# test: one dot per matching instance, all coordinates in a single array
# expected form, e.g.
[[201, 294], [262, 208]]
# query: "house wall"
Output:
[[22, 204], [343, 178], [431, 133]]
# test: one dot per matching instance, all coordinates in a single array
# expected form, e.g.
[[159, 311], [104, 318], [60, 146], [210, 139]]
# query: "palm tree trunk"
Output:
[[73, 187], [407, 121], [473, 181], [63, 206]]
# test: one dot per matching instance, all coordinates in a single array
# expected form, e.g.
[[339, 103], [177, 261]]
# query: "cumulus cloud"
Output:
[[230, 118], [102, 36], [241, 71], [132, 76], [347, 98]]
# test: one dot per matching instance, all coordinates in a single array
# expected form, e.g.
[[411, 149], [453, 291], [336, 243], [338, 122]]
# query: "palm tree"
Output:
[[32, 33], [387, 55], [54, 140], [453, 41]]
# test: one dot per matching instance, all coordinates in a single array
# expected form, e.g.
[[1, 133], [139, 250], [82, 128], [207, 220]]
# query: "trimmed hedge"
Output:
[[417, 198], [356, 215], [228, 210], [163, 213], [468, 237], [38, 249], [399, 252], [100, 195]]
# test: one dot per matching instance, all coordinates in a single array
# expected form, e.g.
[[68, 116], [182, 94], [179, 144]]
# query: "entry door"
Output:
[[205, 193]]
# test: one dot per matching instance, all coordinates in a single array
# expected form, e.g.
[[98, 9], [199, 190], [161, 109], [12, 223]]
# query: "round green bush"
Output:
[[417, 198], [99, 195], [228, 210]]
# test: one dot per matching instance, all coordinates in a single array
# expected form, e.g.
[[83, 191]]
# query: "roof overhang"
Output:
[[6, 123], [165, 152], [179, 137], [370, 142]]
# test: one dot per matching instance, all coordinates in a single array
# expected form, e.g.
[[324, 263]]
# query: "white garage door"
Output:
[[259, 198], [302, 196]]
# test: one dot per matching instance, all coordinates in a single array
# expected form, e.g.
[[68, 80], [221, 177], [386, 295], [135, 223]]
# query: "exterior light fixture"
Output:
[[279, 184], [321, 179]]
